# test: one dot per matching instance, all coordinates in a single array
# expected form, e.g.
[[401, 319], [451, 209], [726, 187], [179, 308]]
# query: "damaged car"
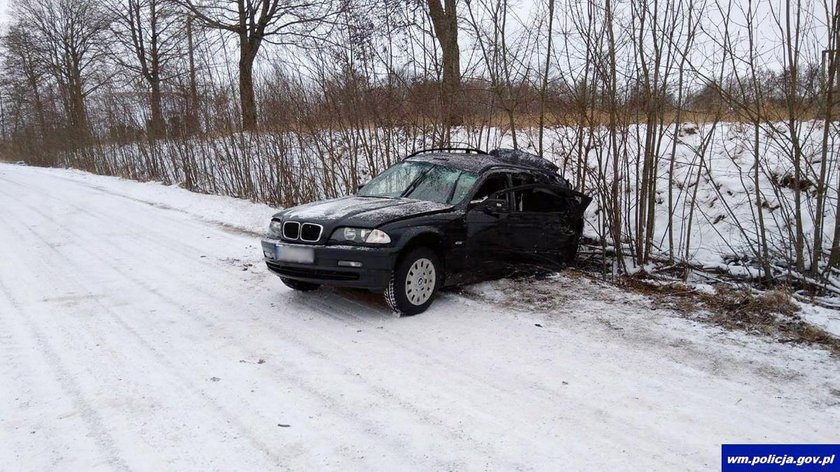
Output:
[[440, 217]]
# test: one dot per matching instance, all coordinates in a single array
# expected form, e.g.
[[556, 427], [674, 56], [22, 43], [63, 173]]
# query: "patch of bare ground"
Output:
[[771, 313], [545, 292]]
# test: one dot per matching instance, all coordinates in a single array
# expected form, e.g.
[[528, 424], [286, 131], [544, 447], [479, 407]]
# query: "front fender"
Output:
[[413, 235]]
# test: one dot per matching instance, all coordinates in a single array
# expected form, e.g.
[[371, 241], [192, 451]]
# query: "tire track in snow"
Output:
[[92, 420], [146, 346], [331, 403], [423, 417], [219, 224], [23, 386]]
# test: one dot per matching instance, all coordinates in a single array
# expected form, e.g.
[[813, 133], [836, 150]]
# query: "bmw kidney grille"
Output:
[[306, 232]]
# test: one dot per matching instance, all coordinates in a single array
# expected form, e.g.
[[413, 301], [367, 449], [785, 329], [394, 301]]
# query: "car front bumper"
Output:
[[373, 274]]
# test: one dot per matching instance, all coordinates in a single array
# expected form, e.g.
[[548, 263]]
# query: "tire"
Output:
[[418, 268], [299, 285]]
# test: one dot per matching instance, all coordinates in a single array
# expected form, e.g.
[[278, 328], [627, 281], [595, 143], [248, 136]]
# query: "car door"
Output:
[[539, 224], [487, 227]]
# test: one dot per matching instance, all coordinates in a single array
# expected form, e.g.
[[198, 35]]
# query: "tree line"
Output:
[[284, 101]]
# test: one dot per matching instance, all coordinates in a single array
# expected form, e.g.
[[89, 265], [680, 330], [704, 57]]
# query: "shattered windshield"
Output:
[[421, 181]]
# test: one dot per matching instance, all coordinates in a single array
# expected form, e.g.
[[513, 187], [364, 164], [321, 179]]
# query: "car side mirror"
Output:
[[492, 205]]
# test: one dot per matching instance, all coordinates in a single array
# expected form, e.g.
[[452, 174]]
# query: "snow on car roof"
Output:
[[473, 162]]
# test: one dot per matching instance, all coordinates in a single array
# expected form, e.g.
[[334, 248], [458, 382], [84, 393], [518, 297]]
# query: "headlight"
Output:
[[276, 227], [360, 235]]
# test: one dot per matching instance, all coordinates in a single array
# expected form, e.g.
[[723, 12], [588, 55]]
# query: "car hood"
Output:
[[364, 212]]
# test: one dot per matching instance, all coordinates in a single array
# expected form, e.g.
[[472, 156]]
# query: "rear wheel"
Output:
[[299, 285], [414, 282]]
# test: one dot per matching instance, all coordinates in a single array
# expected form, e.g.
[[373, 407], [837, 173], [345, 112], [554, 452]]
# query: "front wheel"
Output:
[[299, 285], [414, 282]]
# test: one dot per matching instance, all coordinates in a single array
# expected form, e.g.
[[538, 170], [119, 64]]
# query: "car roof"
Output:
[[467, 162], [479, 161]]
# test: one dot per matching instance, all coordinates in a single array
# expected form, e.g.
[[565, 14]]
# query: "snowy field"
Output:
[[139, 330]]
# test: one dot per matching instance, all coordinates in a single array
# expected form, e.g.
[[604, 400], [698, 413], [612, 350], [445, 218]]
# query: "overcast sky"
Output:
[[769, 34]]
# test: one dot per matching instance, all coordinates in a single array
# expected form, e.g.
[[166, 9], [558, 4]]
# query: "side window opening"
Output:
[[523, 179], [494, 183], [539, 200]]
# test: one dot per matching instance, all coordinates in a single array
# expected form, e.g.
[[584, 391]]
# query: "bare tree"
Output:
[[21, 60], [255, 22], [148, 30], [70, 34], [505, 57], [445, 21]]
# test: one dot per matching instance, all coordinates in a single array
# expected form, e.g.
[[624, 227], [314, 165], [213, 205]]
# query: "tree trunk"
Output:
[[247, 96], [76, 113], [764, 259], [544, 84], [793, 103], [833, 56], [446, 30], [39, 108], [192, 126], [157, 127], [834, 257], [612, 80]]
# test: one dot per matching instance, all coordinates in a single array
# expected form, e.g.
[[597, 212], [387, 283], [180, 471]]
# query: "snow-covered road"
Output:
[[139, 332]]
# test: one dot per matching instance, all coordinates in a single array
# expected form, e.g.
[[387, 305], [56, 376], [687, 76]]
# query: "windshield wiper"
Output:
[[454, 187], [411, 187]]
